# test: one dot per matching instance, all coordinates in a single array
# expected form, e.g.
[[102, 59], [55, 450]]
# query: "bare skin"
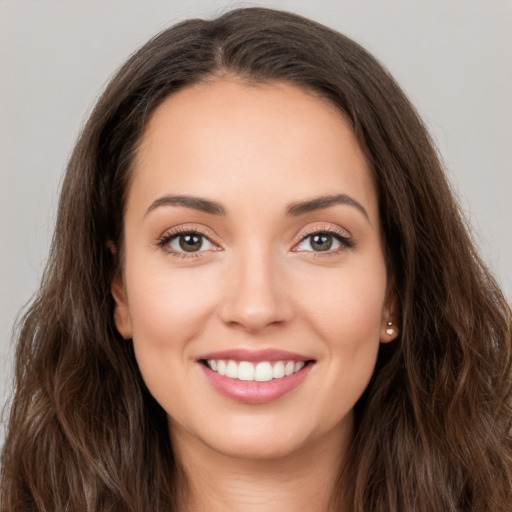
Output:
[[252, 225], [300, 481]]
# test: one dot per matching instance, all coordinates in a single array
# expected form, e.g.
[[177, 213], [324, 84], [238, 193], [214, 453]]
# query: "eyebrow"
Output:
[[293, 210], [319, 203], [195, 203]]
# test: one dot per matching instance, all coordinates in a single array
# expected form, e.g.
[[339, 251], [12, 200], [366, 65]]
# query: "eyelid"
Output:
[[341, 234], [163, 240], [321, 228]]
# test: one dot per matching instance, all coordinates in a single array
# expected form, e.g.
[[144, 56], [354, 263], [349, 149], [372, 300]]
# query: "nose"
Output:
[[255, 297]]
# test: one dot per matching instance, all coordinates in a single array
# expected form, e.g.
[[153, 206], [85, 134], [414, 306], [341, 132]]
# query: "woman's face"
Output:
[[254, 283]]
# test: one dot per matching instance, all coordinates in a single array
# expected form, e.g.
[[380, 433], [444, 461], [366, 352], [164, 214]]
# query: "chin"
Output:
[[264, 437], [257, 446]]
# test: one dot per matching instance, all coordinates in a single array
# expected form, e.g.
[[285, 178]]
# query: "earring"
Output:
[[390, 331]]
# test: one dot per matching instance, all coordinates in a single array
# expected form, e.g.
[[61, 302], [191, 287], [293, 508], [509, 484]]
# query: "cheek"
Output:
[[344, 309], [348, 322], [167, 311], [160, 298], [346, 306]]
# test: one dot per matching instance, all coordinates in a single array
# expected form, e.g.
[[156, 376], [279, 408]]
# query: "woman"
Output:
[[255, 296]]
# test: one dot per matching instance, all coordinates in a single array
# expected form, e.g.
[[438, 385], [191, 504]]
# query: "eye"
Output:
[[186, 243], [323, 241]]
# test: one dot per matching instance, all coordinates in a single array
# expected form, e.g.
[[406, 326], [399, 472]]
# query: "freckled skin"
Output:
[[255, 284]]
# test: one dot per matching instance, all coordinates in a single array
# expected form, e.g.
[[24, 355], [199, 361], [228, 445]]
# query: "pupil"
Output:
[[190, 243], [321, 242]]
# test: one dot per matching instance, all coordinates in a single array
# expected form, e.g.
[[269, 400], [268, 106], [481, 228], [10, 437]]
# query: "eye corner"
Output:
[[173, 242], [330, 237]]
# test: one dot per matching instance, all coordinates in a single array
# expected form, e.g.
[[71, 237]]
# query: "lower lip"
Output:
[[252, 392]]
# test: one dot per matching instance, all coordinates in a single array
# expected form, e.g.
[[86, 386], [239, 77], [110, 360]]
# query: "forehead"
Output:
[[229, 138]]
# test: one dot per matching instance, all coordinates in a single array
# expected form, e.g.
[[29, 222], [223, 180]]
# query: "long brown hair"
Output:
[[433, 429]]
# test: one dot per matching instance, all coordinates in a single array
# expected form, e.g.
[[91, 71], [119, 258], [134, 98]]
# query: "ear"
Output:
[[122, 318], [390, 320]]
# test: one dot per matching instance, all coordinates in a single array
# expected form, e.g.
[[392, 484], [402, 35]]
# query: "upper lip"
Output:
[[255, 356]]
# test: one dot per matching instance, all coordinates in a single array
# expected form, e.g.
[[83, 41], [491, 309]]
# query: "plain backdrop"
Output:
[[452, 57]]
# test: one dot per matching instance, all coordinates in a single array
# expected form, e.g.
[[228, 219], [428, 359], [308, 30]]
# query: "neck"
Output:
[[304, 480]]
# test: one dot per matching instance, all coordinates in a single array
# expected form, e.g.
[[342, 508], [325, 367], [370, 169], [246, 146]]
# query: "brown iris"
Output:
[[321, 242], [190, 242]]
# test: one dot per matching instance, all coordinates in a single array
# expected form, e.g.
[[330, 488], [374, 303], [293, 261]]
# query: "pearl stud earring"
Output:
[[390, 331]]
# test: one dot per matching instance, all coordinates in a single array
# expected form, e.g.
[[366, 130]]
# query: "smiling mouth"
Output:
[[263, 371]]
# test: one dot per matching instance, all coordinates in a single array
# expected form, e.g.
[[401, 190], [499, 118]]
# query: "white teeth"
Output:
[[298, 366], [221, 367], [246, 371], [278, 370], [232, 370], [261, 372]]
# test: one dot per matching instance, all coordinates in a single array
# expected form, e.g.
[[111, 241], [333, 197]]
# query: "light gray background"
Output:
[[452, 57]]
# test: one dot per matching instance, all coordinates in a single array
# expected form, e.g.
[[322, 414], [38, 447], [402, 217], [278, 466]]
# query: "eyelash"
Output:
[[164, 241], [341, 237]]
